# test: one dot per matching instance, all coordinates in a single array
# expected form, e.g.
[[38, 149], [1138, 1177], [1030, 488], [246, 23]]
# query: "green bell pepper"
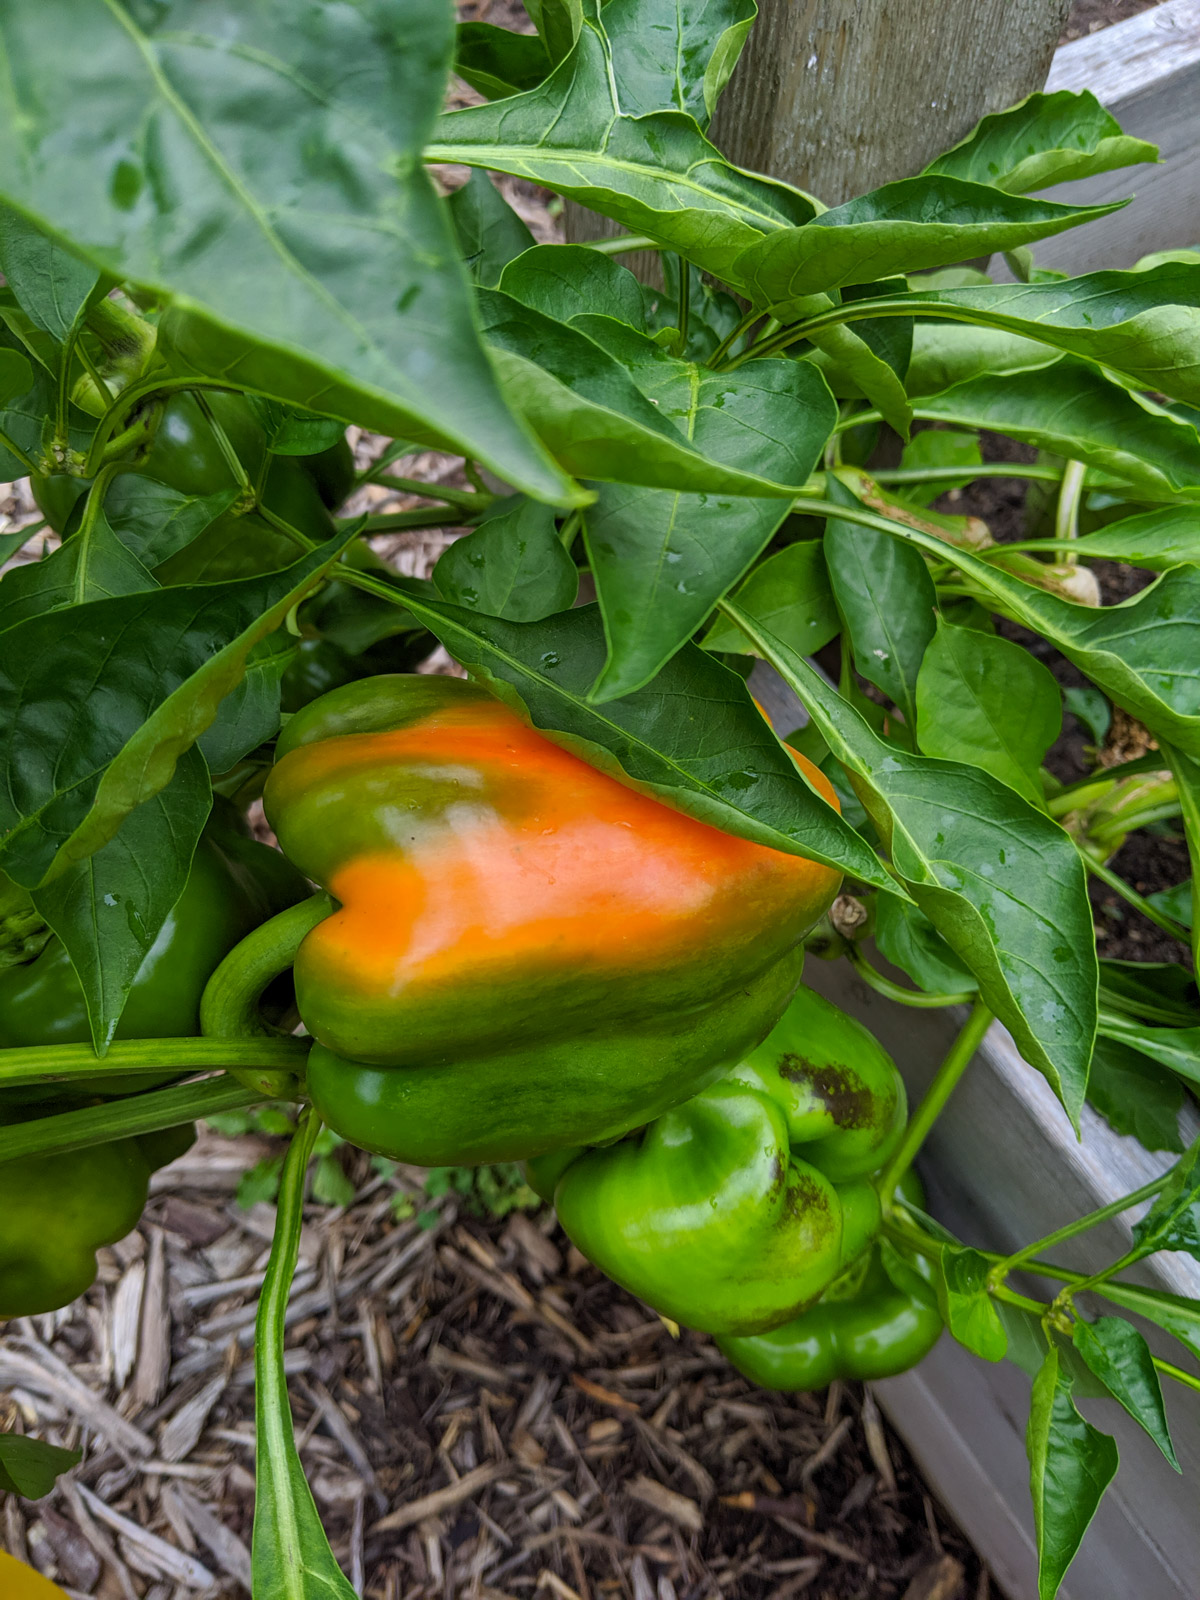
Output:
[[56, 1211], [734, 1212]]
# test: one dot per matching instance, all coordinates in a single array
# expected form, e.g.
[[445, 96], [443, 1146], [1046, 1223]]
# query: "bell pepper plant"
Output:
[[556, 909]]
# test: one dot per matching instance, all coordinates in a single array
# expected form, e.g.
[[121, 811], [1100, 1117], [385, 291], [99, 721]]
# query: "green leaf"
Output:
[[91, 565], [899, 228], [1139, 652], [1186, 773], [675, 55], [1144, 324], [1173, 1221], [330, 1185], [868, 360], [110, 908], [490, 233], [1135, 1096], [557, 22], [29, 1467], [16, 378], [1174, 1313], [249, 714], [693, 738], [96, 715], [154, 521], [1158, 991], [291, 1555], [1044, 139], [662, 560], [966, 1305], [1073, 411], [1121, 1359], [886, 598], [1000, 881], [1175, 1048], [938, 447], [983, 700], [1070, 1466], [565, 281], [293, 432], [497, 62], [656, 173], [788, 594], [1176, 902], [513, 565], [1092, 708], [948, 353], [51, 285], [591, 410], [26, 413], [316, 263], [908, 939]]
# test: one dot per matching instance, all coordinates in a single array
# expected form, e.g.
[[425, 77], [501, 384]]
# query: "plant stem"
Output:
[[229, 1005], [945, 1080], [1172, 1371], [76, 1063], [893, 991], [720, 354], [572, 523], [1066, 515], [468, 499], [685, 297], [1169, 926], [122, 1119], [990, 469], [232, 460], [283, 527], [14, 448], [1069, 1230], [393, 522]]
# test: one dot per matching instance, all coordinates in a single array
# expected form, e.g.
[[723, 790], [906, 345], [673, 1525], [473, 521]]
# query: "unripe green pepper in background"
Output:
[[234, 884], [733, 1212], [57, 1210], [528, 954]]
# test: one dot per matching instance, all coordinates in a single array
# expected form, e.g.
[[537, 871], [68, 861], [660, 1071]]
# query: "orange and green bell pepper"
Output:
[[526, 953], [733, 1212]]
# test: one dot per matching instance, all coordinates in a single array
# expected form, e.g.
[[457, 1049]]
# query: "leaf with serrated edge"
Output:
[[1000, 881]]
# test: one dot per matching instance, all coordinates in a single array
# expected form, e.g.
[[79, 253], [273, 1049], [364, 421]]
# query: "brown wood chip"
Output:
[[940, 1580], [675, 1506], [606, 1397], [430, 1505]]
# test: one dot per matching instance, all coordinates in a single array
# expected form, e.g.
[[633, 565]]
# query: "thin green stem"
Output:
[[277, 522], [123, 1119], [232, 460], [122, 443], [622, 244], [1066, 514], [1170, 1370], [990, 469], [393, 522], [468, 499], [945, 1080], [721, 353], [93, 372], [76, 1063], [1169, 926], [685, 299], [229, 1005], [1070, 1230], [133, 394], [894, 991]]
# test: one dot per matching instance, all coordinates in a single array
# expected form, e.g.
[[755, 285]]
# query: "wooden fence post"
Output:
[[838, 96]]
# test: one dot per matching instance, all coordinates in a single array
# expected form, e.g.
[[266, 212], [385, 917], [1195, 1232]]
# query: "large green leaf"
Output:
[[1142, 653], [1136, 1096], [490, 233], [654, 172], [902, 227], [1071, 409], [675, 55], [91, 565], [595, 411], [110, 908], [498, 62], [1070, 1466], [1120, 1357], [1145, 324], [96, 714], [1045, 139], [1001, 882], [662, 560], [566, 281], [513, 565], [692, 738], [51, 285], [259, 169], [987, 701], [887, 599], [1158, 540], [789, 594]]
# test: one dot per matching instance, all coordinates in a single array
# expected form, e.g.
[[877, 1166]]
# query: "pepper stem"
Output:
[[124, 1119], [229, 1008], [945, 1080], [76, 1063]]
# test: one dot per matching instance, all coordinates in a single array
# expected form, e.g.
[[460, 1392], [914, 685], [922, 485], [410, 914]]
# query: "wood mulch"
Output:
[[480, 1414]]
